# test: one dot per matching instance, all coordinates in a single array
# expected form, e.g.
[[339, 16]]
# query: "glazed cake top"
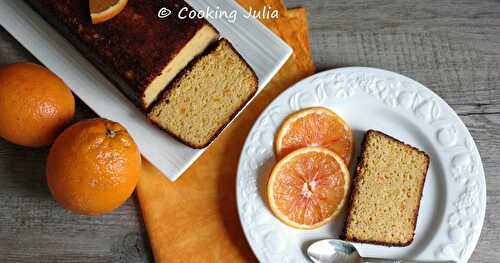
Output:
[[136, 43]]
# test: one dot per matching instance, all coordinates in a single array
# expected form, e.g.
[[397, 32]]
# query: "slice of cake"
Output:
[[140, 52], [204, 98], [386, 192]]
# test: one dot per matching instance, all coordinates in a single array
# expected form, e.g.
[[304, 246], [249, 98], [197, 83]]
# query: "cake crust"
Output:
[[361, 163]]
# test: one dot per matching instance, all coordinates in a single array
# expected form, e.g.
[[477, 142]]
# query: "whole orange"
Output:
[[93, 167], [35, 105]]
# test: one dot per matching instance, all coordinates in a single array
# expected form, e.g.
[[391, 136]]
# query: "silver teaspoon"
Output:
[[338, 251]]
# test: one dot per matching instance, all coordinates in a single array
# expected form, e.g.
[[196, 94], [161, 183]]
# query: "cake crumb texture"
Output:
[[386, 192], [206, 96]]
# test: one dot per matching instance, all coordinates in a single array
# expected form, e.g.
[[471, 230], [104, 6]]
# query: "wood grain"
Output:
[[451, 46]]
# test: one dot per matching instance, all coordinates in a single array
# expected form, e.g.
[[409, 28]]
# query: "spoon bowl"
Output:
[[333, 251]]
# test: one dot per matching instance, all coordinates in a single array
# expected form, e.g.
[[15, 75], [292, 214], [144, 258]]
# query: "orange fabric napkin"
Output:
[[195, 219]]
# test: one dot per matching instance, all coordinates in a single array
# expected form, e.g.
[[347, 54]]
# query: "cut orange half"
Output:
[[103, 10], [314, 127], [308, 187]]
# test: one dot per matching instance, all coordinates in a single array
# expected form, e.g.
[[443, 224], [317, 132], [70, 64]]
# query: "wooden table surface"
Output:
[[451, 46]]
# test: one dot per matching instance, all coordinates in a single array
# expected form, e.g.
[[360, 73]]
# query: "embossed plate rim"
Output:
[[464, 212]]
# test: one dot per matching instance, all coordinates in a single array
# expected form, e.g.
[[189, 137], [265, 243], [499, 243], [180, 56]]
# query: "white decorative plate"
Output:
[[262, 49], [454, 199]]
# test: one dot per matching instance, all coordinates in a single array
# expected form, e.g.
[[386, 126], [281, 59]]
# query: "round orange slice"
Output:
[[103, 10], [314, 127], [308, 187]]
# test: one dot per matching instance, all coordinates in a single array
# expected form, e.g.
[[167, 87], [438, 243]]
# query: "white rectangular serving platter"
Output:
[[262, 49]]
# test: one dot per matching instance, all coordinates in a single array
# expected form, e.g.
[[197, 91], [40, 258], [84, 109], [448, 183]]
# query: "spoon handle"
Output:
[[380, 260]]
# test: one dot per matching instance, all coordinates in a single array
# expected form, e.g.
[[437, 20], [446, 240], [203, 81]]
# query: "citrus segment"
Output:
[[103, 10], [315, 127], [308, 187]]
